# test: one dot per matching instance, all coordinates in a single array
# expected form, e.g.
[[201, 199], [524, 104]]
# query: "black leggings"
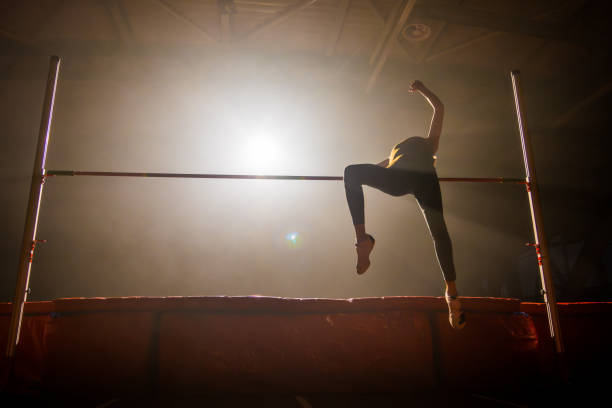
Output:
[[425, 188]]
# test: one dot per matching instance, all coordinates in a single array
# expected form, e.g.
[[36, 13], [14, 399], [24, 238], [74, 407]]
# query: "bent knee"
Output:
[[350, 172]]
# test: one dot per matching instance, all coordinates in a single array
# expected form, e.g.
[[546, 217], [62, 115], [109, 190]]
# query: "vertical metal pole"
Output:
[[541, 244], [28, 242], [390, 40]]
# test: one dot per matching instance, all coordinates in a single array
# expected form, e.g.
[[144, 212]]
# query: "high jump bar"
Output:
[[39, 175], [52, 173]]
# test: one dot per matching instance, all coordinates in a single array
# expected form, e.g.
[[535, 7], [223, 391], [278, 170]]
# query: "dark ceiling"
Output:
[[558, 41], [547, 36]]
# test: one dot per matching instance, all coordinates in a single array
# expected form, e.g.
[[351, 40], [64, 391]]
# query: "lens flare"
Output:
[[293, 240]]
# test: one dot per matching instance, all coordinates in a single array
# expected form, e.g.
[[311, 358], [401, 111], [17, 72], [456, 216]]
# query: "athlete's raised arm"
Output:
[[435, 128]]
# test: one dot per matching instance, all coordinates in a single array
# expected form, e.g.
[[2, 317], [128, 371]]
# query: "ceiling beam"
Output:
[[567, 116], [119, 19], [227, 9], [384, 34], [14, 37], [433, 42], [454, 14], [340, 17], [279, 18], [464, 44], [407, 8], [179, 16], [488, 35]]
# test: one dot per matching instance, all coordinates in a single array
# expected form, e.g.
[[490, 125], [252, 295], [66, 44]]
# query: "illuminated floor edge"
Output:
[[194, 345]]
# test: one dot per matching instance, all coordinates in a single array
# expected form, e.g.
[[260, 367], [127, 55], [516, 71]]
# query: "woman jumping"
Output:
[[408, 170]]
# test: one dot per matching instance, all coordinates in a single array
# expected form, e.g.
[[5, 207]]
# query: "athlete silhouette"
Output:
[[408, 170]]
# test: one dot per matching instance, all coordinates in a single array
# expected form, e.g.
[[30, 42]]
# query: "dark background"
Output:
[[141, 89]]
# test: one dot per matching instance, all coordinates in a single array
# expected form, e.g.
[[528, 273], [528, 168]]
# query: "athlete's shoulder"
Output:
[[413, 139]]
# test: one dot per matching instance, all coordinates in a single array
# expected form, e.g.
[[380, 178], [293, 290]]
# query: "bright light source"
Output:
[[263, 154]]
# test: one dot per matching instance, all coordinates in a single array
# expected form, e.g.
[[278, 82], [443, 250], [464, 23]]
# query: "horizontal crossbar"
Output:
[[51, 173]]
